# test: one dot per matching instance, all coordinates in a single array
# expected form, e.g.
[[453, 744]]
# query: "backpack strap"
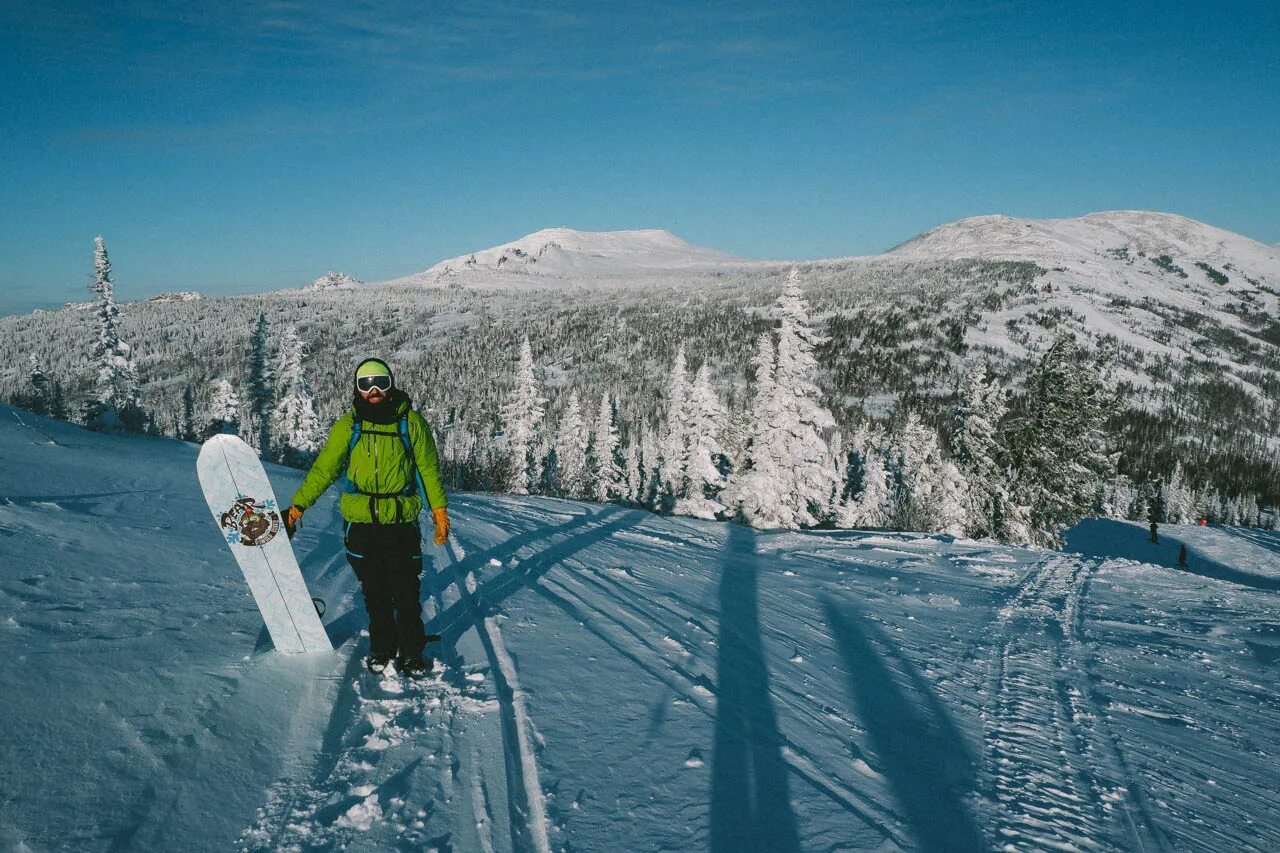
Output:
[[357, 427], [420, 486]]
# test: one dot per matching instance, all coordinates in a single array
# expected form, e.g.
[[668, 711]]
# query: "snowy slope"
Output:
[[620, 681]]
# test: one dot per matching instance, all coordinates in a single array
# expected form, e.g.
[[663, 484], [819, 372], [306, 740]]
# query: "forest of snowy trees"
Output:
[[1023, 479], [759, 413]]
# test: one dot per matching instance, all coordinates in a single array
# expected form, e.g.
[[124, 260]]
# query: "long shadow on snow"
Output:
[[922, 754], [453, 621], [750, 797], [1105, 538]]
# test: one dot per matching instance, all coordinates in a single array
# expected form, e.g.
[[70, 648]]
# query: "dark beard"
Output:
[[386, 412]]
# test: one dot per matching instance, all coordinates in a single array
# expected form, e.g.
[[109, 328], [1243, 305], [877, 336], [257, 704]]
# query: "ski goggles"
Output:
[[365, 384]]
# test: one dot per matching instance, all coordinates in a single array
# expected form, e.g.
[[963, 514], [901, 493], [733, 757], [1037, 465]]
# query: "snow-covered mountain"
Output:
[[1109, 235], [566, 252], [615, 681]]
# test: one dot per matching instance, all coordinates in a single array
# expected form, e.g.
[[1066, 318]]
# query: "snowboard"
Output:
[[245, 510]]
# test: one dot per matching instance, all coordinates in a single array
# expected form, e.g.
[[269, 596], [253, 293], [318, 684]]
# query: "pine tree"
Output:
[[975, 448], [1177, 497], [871, 506], [650, 471], [224, 409], [522, 418], [294, 423], [953, 501], [916, 468], [631, 473], [703, 478], [607, 477], [807, 467], [116, 405], [571, 451], [187, 423], [35, 396], [255, 428], [1058, 448], [792, 475], [675, 437], [755, 493]]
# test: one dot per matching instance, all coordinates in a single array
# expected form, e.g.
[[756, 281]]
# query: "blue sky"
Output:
[[237, 147]]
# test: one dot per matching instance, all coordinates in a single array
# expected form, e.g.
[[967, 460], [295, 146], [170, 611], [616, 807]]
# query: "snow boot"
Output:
[[377, 663], [414, 666]]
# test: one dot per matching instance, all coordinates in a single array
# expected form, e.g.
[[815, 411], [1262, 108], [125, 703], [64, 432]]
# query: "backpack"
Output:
[[414, 487]]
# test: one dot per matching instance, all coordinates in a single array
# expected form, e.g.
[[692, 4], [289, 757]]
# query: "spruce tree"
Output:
[[607, 475], [702, 476], [571, 451], [675, 437], [295, 425], [976, 451], [116, 404], [521, 419], [255, 428], [803, 422], [187, 421], [1058, 447], [755, 493], [224, 409]]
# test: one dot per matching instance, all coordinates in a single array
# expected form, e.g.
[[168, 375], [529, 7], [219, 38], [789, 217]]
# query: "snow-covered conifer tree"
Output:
[[294, 422], [916, 467], [1058, 448], [522, 419], [607, 478], [224, 409], [35, 396], [792, 474], [650, 471], [807, 467], [872, 505], [953, 503], [974, 446], [631, 476], [1178, 501], [675, 435], [703, 478], [571, 450], [116, 405], [755, 493], [255, 425], [187, 420]]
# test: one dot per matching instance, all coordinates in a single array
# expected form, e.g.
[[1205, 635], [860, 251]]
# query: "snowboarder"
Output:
[[385, 451]]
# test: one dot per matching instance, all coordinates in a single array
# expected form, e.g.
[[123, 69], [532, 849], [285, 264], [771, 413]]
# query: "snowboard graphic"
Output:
[[244, 508]]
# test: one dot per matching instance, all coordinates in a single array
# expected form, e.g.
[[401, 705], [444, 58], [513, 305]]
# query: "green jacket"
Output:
[[379, 465]]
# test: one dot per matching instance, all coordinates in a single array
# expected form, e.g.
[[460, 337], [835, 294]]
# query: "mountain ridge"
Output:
[[1102, 241]]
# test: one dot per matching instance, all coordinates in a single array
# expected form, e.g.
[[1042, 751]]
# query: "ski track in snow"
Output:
[[527, 800]]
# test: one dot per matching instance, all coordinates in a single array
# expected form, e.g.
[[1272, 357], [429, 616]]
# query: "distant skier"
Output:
[[1182, 556], [385, 451]]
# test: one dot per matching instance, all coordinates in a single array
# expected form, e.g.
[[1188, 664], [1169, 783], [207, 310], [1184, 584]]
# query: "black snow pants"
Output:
[[387, 558]]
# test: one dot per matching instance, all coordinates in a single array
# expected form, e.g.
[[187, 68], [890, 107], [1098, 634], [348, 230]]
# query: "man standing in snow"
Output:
[[385, 451]]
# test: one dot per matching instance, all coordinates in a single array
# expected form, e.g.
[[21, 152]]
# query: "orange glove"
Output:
[[292, 516], [441, 517]]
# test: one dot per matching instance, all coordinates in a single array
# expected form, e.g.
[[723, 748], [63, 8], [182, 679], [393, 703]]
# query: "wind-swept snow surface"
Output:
[[615, 680]]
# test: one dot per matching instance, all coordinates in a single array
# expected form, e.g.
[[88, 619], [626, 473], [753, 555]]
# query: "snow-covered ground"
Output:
[[618, 681]]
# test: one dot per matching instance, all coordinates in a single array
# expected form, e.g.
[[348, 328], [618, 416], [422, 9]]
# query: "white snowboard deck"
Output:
[[245, 509]]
